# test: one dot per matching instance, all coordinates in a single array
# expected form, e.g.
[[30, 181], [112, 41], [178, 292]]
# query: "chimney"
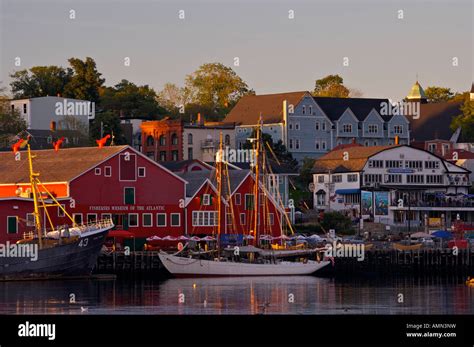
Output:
[[52, 125], [396, 140], [200, 119]]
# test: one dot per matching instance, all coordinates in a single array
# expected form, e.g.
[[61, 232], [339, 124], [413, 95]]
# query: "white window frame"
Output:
[[91, 214], [242, 219], [238, 199], [171, 219], [143, 220], [61, 213], [74, 218], [28, 222], [297, 126], [97, 171], [161, 225], [110, 171], [144, 171], [130, 220], [206, 199], [349, 125], [104, 216]]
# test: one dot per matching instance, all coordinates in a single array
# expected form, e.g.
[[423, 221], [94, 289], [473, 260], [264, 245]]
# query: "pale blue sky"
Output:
[[276, 54]]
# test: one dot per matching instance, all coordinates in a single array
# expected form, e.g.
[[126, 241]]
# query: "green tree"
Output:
[[331, 86], [86, 80], [110, 124], [174, 99], [11, 122], [216, 87], [306, 176], [438, 94], [337, 221], [465, 121], [40, 81], [127, 100]]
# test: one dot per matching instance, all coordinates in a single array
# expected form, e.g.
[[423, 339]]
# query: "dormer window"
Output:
[[372, 128], [398, 129], [304, 109], [347, 128]]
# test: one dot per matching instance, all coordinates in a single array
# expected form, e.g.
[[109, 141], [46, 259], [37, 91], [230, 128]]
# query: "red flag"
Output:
[[21, 143], [102, 141], [58, 144]]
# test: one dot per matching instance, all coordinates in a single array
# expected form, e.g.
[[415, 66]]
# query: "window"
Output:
[[271, 219], [206, 199], [304, 109], [323, 124], [24, 108], [432, 147], [445, 148], [190, 153], [190, 139], [242, 218], [174, 155], [431, 164], [174, 139], [393, 164], [227, 140], [129, 195], [321, 179], [323, 144], [434, 179], [347, 128], [321, 199], [414, 164], [150, 141], [133, 219], [415, 178], [237, 198], [372, 129], [310, 109], [336, 178], [398, 129], [376, 164], [30, 220], [108, 171], [297, 144], [205, 218], [77, 218], [372, 178], [60, 211], [290, 126], [162, 156], [393, 178], [229, 218], [141, 172], [175, 219], [351, 199], [162, 140], [352, 178], [291, 144], [249, 202], [91, 217], [147, 220], [297, 126], [12, 224], [317, 144], [161, 219], [106, 216], [317, 125]]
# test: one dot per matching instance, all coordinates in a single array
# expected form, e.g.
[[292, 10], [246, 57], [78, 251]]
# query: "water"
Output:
[[245, 295]]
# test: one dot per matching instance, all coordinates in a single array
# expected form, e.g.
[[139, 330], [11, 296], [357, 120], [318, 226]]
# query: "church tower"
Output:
[[417, 94]]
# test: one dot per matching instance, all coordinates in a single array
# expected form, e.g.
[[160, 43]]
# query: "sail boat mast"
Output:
[[219, 189], [257, 178], [34, 191]]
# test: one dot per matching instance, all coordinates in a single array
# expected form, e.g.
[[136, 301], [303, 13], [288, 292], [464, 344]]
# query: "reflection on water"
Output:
[[244, 295]]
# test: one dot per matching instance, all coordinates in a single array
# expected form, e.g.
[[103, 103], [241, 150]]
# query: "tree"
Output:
[[40, 81], [172, 98], [216, 87], [110, 124], [337, 221], [331, 86], [438, 94], [306, 176], [11, 122], [127, 100], [86, 80], [465, 121], [278, 148]]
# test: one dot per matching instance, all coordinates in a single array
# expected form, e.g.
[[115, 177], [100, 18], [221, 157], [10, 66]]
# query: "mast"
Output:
[[257, 179], [36, 213], [219, 190]]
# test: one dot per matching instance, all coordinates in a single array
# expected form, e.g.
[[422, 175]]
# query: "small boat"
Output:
[[63, 252], [401, 247]]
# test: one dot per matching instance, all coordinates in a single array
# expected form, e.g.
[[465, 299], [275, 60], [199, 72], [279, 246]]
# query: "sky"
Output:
[[385, 54]]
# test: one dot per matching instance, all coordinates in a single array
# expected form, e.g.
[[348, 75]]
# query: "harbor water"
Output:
[[305, 295]]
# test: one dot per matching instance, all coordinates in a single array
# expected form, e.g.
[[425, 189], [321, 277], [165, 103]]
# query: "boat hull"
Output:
[[189, 267], [73, 259]]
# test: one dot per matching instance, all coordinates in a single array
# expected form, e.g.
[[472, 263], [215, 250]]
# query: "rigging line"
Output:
[[45, 208]]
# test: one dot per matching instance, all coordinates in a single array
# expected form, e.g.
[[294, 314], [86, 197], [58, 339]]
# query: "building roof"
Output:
[[182, 165], [195, 180], [361, 107], [357, 157], [61, 166], [434, 121], [416, 92], [209, 125], [248, 109]]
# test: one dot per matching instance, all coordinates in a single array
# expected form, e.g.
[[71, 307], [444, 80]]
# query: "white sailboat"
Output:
[[254, 261]]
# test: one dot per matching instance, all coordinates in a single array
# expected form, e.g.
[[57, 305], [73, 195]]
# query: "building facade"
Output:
[[162, 140]]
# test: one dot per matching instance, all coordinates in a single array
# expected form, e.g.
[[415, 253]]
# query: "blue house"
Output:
[[312, 126]]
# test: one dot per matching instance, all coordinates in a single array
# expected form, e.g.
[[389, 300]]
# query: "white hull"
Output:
[[180, 266]]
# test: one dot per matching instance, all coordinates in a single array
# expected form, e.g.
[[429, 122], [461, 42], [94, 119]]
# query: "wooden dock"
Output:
[[440, 262]]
